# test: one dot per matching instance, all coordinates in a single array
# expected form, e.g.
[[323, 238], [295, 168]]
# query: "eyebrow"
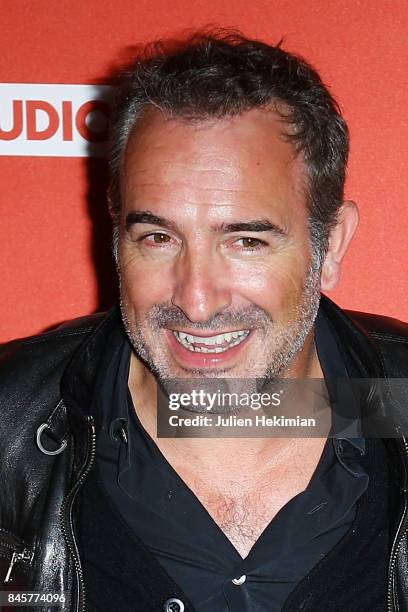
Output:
[[255, 225]]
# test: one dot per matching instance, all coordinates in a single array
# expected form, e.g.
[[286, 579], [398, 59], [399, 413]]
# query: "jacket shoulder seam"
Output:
[[56, 334], [390, 337]]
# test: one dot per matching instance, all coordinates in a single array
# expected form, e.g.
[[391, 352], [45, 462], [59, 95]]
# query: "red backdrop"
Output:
[[56, 266]]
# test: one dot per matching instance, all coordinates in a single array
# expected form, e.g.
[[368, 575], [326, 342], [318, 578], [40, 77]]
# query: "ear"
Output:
[[339, 240]]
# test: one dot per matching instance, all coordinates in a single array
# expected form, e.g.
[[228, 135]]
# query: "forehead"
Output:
[[233, 160]]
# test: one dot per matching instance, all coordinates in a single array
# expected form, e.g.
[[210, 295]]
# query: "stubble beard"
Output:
[[284, 340]]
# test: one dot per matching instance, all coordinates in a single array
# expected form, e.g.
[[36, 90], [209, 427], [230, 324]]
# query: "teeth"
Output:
[[207, 341], [190, 342]]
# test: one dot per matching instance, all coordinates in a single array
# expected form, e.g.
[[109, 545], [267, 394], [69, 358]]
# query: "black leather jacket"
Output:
[[46, 385]]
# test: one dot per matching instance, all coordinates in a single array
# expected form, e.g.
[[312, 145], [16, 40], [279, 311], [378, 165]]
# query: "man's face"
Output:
[[215, 259]]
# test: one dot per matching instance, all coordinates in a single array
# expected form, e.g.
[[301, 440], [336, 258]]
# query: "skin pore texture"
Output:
[[214, 239]]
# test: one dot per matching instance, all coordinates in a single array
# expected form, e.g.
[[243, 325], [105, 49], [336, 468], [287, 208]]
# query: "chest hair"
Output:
[[242, 518]]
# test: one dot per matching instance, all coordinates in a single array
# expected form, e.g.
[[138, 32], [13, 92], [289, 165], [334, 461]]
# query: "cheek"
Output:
[[272, 285], [142, 286]]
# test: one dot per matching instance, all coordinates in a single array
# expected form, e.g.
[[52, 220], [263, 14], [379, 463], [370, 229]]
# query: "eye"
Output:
[[251, 244], [157, 238]]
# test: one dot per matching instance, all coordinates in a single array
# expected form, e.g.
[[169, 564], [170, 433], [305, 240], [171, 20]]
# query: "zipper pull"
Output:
[[12, 562], [25, 555]]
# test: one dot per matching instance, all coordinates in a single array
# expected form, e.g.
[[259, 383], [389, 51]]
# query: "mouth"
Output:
[[203, 352], [211, 344]]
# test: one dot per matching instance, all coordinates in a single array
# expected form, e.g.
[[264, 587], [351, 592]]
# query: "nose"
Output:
[[201, 287]]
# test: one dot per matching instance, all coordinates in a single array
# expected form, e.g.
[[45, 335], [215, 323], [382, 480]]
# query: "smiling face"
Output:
[[214, 254]]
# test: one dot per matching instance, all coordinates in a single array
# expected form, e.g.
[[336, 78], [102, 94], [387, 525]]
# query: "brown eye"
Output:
[[160, 238], [250, 243]]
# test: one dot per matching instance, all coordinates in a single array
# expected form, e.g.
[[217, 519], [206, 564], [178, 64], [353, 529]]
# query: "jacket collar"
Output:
[[78, 382], [358, 349]]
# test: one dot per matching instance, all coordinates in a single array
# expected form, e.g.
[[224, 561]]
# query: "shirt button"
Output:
[[239, 581], [173, 605]]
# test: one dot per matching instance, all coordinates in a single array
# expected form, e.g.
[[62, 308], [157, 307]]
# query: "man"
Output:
[[228, 166]]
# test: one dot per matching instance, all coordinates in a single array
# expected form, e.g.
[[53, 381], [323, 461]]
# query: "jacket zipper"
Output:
[[18, 555], [66, 514], [401, 532]]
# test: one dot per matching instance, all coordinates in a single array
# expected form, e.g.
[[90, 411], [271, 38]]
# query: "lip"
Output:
[[188, 359]]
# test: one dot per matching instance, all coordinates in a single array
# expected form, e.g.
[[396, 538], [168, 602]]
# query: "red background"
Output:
[[56, 266]]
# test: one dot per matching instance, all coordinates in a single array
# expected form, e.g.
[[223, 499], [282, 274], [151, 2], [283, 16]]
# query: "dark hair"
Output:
[[222, 74]]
